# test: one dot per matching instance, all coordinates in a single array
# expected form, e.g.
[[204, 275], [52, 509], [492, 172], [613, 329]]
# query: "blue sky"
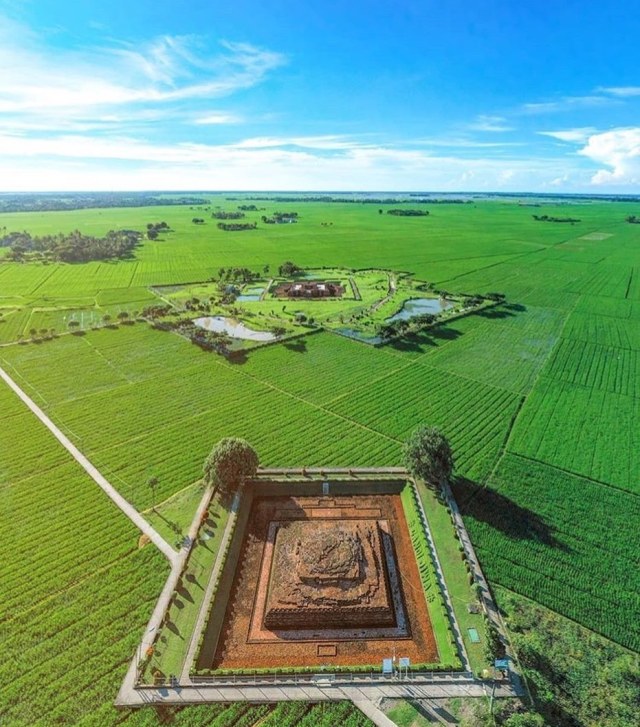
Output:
[[412, 95]]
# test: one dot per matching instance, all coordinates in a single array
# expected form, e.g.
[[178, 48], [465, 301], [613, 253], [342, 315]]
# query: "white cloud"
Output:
[[490, 123], [327, 142], [578, 136], [218, 117], [465, 143], [567, 103], [75, 83], [85, 162], [619, 151], [621, 91]]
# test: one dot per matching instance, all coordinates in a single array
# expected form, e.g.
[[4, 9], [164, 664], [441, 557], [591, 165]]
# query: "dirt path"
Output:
[[111, 492]]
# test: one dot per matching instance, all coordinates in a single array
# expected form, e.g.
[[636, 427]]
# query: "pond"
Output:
[[359, 335], [419, 306], [251, 295], [233, 327]]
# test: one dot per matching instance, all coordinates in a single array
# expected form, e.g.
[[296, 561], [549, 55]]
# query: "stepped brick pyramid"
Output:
[[328, 575]]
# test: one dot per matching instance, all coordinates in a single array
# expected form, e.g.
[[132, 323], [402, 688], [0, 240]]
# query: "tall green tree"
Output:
[[427, 455], [231, 461]]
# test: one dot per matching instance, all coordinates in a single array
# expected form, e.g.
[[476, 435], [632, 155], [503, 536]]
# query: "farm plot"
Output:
[[66, 655], [320, 367], [476, 417], [167, 421], [564, 541], [507, 350], [608, 307], [605, 280], [586, 431], [50, 514], [603, 330], [596, 367]]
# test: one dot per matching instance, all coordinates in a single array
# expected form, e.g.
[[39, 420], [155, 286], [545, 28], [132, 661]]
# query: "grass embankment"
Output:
[[174, 638], [442, 630], [456, 576]]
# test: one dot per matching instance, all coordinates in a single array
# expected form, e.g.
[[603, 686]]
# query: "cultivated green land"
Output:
[[539, 396]]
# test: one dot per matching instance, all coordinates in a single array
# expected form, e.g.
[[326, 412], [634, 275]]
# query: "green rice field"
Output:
[[540, 398]]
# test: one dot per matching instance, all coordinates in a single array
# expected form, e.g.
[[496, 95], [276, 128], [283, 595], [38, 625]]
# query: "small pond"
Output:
[[251, 295], [359, 335], [419, 306], [233, 327]]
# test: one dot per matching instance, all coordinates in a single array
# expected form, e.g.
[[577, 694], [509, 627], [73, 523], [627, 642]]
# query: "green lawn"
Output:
[[461, 592], [442, 629], [173, 641]]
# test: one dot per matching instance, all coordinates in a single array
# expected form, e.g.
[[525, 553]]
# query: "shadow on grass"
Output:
[[238, 357], [499, 512], [495, 313], [298, 345], [424, 340]]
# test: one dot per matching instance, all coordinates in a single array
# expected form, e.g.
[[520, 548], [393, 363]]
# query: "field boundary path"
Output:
[[486, 596], [123, 504]]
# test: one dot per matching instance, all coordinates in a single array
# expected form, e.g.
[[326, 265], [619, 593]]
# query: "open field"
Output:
[[540, 399]]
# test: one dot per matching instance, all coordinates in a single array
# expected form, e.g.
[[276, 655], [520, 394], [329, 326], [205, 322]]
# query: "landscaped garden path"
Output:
[[124, 505]]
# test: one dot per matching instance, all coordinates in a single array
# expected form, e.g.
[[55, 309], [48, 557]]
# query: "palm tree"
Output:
[[153, 483]]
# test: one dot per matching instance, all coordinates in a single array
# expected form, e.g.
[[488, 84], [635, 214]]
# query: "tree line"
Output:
[[547, 218], [70, 247], [73, 201], [236, 226], [407, 213]]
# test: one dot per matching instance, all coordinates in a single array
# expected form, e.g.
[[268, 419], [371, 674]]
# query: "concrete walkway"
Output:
[[360, 690], [111, 492], [486, 597], [157, 617], [375, 714]]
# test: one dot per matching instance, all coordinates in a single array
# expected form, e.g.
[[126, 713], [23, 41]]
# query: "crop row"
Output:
[[528, 337], [596, 367], [325, 367], [77, 636], [566, 542], [586, 431], [475, 417], [603, 330], [606, 280]]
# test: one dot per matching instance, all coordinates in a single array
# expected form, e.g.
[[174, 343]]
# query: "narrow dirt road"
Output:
[[111, 492]]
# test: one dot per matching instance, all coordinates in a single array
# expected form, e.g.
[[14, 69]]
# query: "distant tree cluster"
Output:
[[156, 311], [289, 270], [70, 247], [197, 221], [230, 215], [236, 274], [247, 207], [280, 218], [76, 201], [547, 218], [408, 213], [340, 200], [236, 226], [155, 228], [633, 220]]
